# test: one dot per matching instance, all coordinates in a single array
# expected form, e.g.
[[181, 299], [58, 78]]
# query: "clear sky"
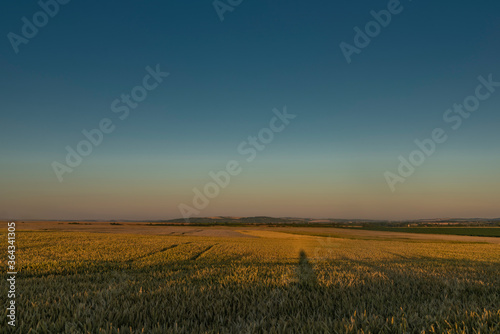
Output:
[[353, 120]]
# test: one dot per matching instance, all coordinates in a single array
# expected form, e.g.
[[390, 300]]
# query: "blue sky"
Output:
[[353, 120]]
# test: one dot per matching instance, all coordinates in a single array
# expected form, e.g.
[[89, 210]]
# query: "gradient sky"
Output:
[[353, 120]]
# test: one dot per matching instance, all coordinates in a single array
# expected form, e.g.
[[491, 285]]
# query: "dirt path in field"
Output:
[[266, 233], [366, 234], [130, 228]]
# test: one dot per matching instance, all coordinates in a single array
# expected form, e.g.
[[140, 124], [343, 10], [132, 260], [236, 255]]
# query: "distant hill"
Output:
[[296, 221]]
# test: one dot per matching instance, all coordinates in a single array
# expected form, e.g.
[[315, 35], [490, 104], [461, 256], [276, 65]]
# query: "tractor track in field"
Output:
[[202, 252], [159, 251]]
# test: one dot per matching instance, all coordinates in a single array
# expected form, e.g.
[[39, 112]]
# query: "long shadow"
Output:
[[305, 306], [305, 272]]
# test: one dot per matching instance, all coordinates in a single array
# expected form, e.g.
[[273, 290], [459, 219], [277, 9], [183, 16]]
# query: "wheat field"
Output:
[[267, 282]]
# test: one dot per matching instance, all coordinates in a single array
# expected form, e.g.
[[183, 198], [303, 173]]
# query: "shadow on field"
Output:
[[305, 272], [208, 295]]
